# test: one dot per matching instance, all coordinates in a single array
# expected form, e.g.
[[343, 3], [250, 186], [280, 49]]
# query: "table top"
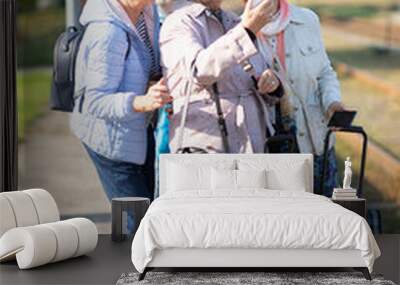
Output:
[[349, 200], [131, 199]]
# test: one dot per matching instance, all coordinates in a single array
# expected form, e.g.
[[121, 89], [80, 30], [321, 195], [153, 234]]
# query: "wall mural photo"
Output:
[[118, 101]]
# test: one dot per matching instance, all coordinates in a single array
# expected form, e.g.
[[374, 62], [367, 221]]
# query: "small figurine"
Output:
[[347, 174]]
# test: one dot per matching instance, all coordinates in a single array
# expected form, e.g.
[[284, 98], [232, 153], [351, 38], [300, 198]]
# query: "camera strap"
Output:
[[220, 117]]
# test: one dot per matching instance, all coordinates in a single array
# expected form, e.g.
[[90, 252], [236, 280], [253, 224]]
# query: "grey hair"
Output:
[[162, 2]]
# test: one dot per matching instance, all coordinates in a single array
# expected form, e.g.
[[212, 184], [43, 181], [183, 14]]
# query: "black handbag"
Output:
[[284, 140], [191, 150]]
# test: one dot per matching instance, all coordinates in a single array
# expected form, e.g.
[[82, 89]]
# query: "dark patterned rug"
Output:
[[238, 278]]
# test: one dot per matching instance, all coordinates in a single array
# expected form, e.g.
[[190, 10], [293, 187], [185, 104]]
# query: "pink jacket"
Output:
[[197, 51]]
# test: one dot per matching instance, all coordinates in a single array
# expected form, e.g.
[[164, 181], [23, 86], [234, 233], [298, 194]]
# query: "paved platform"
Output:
[[52, 158]]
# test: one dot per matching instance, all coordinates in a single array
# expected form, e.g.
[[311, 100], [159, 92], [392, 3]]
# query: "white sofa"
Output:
[[31, 231]]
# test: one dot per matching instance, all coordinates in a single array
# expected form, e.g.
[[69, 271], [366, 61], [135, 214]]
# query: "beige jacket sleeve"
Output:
[[181, 43]]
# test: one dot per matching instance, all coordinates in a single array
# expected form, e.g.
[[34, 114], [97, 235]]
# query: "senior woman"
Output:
[[117, 60], [205, 51], [292, 44]]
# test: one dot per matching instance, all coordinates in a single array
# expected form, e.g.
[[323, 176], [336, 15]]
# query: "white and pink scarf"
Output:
[[275, 55], [276, 28]]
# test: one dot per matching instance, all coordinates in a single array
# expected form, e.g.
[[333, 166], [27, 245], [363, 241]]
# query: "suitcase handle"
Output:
[[354, 130]]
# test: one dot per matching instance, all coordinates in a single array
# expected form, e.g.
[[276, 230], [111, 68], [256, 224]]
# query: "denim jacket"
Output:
[[107, 123], [311, 76]]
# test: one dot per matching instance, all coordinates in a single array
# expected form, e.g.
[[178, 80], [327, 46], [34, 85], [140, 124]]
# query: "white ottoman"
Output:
[[31, 232], [27, 208], [41, 244]]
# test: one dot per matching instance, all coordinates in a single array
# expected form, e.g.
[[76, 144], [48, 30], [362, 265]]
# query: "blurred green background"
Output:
[[39, 23]]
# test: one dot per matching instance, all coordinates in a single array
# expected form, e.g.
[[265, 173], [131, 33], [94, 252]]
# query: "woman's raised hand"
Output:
[[157, 96], [254, 18]]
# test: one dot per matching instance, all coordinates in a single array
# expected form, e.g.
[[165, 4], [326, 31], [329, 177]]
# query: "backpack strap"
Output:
[[129, 46]]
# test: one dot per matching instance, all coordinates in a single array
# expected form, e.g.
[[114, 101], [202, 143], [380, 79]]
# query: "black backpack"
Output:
[[64, 59]]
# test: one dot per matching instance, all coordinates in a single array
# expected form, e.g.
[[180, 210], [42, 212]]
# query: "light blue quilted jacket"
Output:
[[107, 123]]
